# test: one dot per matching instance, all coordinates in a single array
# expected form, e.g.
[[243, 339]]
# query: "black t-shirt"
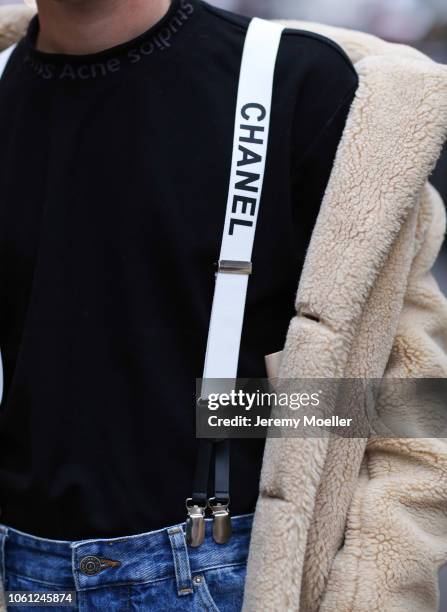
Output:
[[114, 170]]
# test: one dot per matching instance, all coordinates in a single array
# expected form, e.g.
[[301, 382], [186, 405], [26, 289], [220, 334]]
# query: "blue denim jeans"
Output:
[[154, 571]]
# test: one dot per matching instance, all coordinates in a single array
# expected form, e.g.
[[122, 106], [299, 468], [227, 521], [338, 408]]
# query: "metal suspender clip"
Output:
[[221, 520], [195, 523]]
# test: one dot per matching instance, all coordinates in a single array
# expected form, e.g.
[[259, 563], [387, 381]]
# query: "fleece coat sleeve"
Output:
[[396, 533]]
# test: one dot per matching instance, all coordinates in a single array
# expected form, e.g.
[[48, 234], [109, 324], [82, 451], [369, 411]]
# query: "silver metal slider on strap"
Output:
[[234, 267]]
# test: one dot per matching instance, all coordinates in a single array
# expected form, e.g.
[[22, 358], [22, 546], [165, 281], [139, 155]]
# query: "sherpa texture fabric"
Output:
[[356, 525]]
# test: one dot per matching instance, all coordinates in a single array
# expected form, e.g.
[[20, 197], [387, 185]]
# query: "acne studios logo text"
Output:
[[72, 71]]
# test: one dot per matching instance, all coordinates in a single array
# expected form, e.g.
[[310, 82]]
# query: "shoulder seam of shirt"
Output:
[[234, 20]]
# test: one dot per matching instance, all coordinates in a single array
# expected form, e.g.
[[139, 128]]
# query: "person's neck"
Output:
[[79, 27]]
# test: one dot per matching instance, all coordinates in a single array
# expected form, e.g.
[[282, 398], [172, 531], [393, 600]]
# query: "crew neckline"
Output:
[[179, 11]]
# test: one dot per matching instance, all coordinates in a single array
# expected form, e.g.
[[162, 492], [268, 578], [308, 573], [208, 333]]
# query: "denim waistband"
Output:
[[138, 559]]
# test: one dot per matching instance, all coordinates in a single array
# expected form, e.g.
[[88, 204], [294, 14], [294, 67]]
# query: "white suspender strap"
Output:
[[251, 134], [4, 57], [250, 146]]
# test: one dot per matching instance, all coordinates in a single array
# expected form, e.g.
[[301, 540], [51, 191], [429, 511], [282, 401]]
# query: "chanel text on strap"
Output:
[[252, 125]]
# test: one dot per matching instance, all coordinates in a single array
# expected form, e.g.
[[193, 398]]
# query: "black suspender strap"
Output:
[[197, 504], [222, 471], [201, 476], [220, 503]]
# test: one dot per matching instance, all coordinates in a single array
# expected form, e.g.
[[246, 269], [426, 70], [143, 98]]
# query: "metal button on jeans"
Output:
[[90, 566]]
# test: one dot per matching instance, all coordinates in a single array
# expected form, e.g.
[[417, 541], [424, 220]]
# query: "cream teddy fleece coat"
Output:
[[351, 525]]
